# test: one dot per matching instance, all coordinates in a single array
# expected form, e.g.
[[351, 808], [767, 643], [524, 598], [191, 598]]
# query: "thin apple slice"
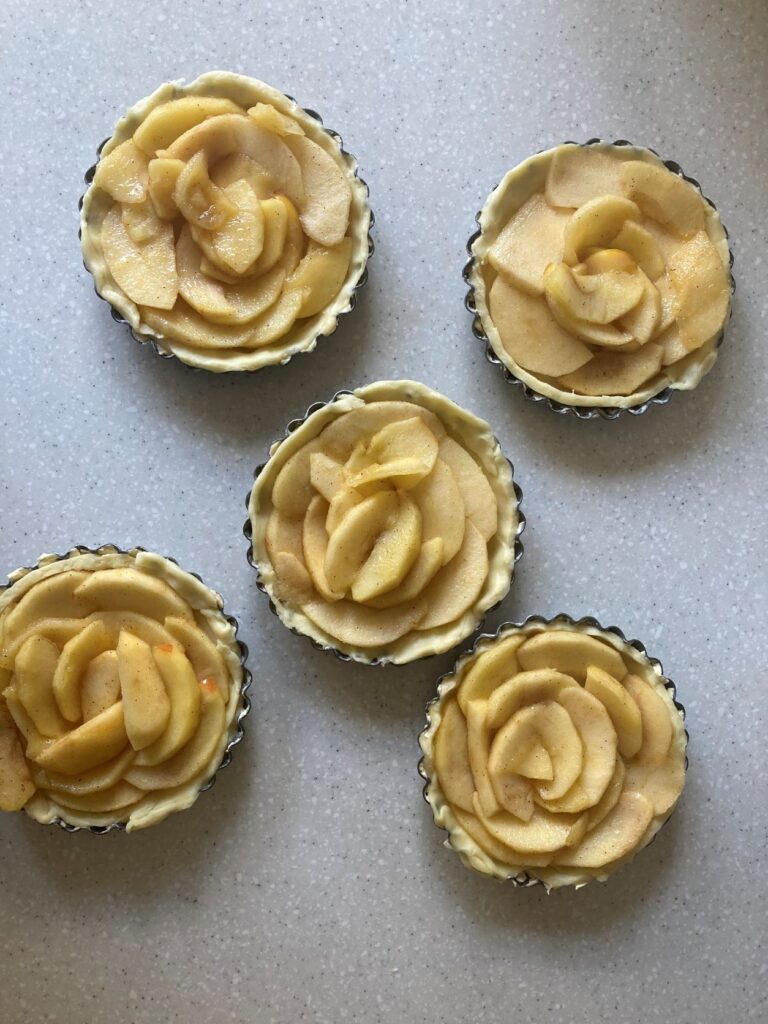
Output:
[[198, 199], [55, 596], [402, 453], [91, 744], [614, 373], [342, 435], [443, 512], [609, 798], [34, 673], [206, 658], [664, 196], [544, 726], [394, 553], [644, 320], [277, 216], [123, 173], [428, 561], [345, 500], [16, 784], [600, 261], [283, 534], [595, 223], [458, 585], [326, 475], [478, 747], [293, 583], [700, 282], [623, 711], [660, 783], [542, 833], [163, 176], [142, 223], [315, 548], [184, 324], [75, 655], [656, 719], [148, 630], [531, 335], [58, 630], [292, 490], [100, 686], [640, 244], [269, 117], [672, 345], [452, 757], [668, 301], [147, 273], [238, 167], [352, 542], [598, 298], [524, 689], [163, 125], [145, 700], [238, 242], [571, 653], [183, 691], [605, 335], [118, 798], [616, 836], [128, 590], [580, 173], [499, 851], [328, 196], [488, 672], [103, 776], [276, 321], [477, 494], [531, 239], [321, 272], [354, 624]]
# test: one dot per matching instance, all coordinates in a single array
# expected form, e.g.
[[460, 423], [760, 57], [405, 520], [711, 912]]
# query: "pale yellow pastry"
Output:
[[121, 688], [384, 527], [601, 277], [225, 223], [554, 751]]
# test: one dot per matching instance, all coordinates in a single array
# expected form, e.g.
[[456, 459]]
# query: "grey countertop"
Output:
[[310, 884]]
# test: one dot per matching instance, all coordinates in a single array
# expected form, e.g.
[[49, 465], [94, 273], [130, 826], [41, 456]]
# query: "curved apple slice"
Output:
[[276, 321], [490, 845], [353, 540], [661, 783], [292, 490], [442, 509], [663, 196], [59, 630], [656, 719], [403, 452], [130, 590], [182, 323], [548, 726], [616, 836], [428, 561], [571, 653], [601, 261], [91, 744], [523, 689], [269, 117], [56, 596], [357, 625], [183, 691], [643, 321], [623, 711], [322, 272], [123, 173], [118, 798], [672, 345], [393, 554], [327, 193], [284, 241], [701, 286], [103, 776], [596, 223], [16, 784], [340, 437], [292, 581], [605, 335], [326, 475], [147, 273], [163, 125], [459, 583], [100, 685], [609, 799], [238, 167], [75, 655], [145, 700], [238, 242], [283, 534], [205, 656], [163, 176], [476, 492], [146, 629], [198, 199], [580, 173], [531, 335], [531, 239], [597, 298], [542, 833], [614, 373], [640, 244], [493, 668], [451, 754], [478, 746], [315, 547], [35, 668], [341, 503]]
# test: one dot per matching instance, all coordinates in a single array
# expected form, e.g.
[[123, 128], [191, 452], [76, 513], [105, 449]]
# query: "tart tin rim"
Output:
[[525, 880], [245, 704], [583, 412], [293, 425], [156, 344]]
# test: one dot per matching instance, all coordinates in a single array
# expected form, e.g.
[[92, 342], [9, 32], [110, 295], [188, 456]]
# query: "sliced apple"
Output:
[[354, 624], [531, 335], [58, 630], [668, 301], [542, 833], [664, 196], [114, 622], [100, 686], [35, 670], [340, 436], [278, 213], [614, 373], [700, 282], [656, 719], [123, 173], [342, 502], [660, 783], [128, 590], [269, 117], [75, 655], [352, 542], [640, 244], [292, 581], [428, 561], [442, 508], [605, 335], [600, 261], [401, 453], [326, 475], [580, 173], [55, 596], [145, 700], [206, 658], [543, 726], [237, 243], [292, 490], [238, 167], [118, 798], [147, 274], [183, 691], [283, 534], [276, 321], [478, 746], [598, 298], [16, 784], [184, 324], [91, 744], [596, 223], [571, 653], [487, 672], [623, 711], [644, 320], [531, 239], [524, 689], [459, 583], [142, 223], [617, 835], [394, 552], [477, 494], [499, 851], [672, 345], [321, 272], [103, 776], [328, 196], [198, 199], [452, 757], [163, 125], [163, 175], [315, 548], [609, 799]]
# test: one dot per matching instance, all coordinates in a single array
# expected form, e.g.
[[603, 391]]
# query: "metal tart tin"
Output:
[[581, 412], [524, 880], [245, 700]]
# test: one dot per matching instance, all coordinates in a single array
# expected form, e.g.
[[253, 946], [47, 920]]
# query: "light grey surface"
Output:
[[310, 884]]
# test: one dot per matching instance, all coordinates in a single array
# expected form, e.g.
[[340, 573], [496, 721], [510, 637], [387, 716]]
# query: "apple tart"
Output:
[[600, 276], [385, 524], [225, 224], [554, 752], [122, 689]]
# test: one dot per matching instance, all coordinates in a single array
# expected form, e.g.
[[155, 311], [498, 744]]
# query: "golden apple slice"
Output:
[[118, 798], [75, 655], [623, 711], [494, 667], [342, 502], [443, 512], [477, 494], [238, 167], [352, 542], [355, 624], [240, 239], [546, 727], [524, 689], [128, 590], [664, 196], [145, 701], [499, 851], [163, 125], [661, 783], [148, 630], [91, 744], [408, 444], [600, 261], [656, 719], [278, 214], [103, 776], [315, 548], [342, 435], [147, 273], [616, 836], [580, 173], [542, 833], [183, 691], [58, 630], [142, 223], [322, 273], [267, 116], [56, 596], [452, 757], [422, 572], [123, 173], [292, 490], [531, 335], [276, 321], [283, 535], [195, 757], [596, 223], [571, 653], [644, 320], [163, 175], [530, 240], [198, 199], [16, 784], [393, 554], [327, 193], [609, 799], [182, 323], [614, 373], [478, 746], [605, 335], [640, 244], [598, 298], [35, 669], [292, 581], [204, 654], [700, 282], [668, 301], [100, 686], [672, 345], [514, 794], [458, 584], [326, 475]]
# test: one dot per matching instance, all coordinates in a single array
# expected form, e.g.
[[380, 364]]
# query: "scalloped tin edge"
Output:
[[524, 880], [581, 412], [245, 700]]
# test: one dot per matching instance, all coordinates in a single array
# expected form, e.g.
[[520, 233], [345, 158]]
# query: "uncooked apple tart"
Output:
[[601, 277], [122, 687], [226, 224], [554, 752], [386, 524]]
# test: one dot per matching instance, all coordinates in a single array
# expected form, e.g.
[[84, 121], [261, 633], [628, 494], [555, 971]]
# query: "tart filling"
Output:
[[384, 527], [227, 222], [553, 752], [600, 276], [120, 683]]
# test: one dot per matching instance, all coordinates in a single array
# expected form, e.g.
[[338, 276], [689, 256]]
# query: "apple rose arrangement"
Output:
[[554, 754], [608, 276], [224, 225], [115, 701]]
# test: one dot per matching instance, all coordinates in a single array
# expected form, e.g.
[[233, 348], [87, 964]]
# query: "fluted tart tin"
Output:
[[520, 701], [232, 353], [147, 665], [517, 187], [305, 506]]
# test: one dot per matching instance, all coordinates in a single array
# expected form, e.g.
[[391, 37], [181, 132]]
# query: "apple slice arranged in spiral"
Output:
[[123, 173], [531, 239]]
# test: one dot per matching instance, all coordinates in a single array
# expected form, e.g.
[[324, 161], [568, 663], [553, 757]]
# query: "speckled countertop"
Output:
[[310, 884]]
